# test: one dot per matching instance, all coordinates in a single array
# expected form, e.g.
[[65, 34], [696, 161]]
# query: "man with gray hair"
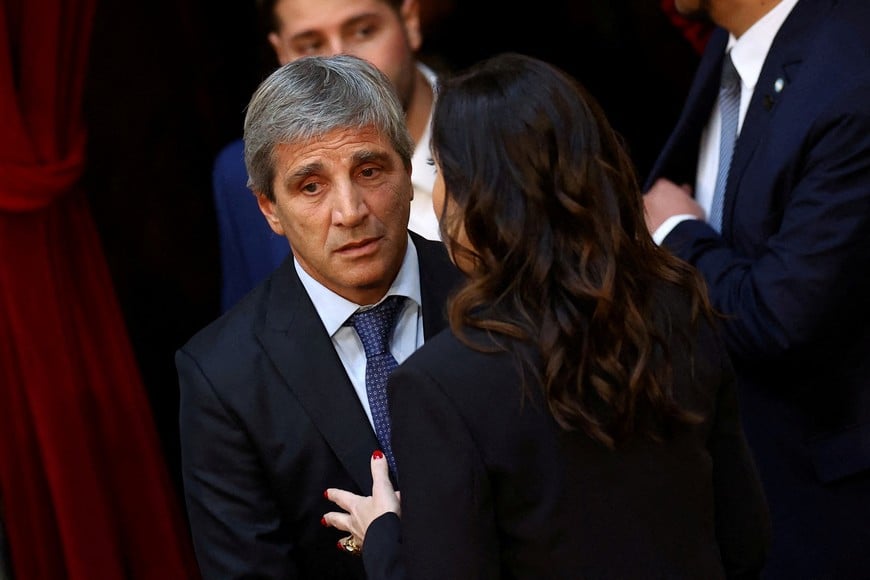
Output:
[[388, 34], [282, 396]]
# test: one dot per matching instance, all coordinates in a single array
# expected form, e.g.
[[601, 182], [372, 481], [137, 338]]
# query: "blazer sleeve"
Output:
[[233, 517], [743, 526], [814, 268], [382, 549]]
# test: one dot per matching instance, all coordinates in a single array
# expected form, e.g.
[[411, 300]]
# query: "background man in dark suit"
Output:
[[790, 264], [273, 394]]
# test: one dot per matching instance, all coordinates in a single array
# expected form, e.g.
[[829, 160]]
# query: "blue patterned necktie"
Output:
[[729, 108], [375, 327]]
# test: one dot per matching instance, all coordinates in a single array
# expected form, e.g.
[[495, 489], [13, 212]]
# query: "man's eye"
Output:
[[309, 47], [369, 172], [310, 188], [365, 31]]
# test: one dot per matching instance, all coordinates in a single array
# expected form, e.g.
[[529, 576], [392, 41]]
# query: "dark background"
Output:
[[167, 87]]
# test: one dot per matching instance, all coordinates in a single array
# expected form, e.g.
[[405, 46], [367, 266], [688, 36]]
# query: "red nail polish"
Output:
[[377, 454], [339, 546], [326, 493], [323, 522]]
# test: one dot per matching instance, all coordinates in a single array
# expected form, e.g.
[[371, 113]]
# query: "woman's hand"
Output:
[[363, 510]]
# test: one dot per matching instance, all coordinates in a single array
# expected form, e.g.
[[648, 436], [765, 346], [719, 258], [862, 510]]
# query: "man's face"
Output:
[[343, 201], [369, 29]]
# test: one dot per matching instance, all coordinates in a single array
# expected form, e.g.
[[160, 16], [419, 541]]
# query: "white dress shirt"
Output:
[[423, 219], [335, 310]]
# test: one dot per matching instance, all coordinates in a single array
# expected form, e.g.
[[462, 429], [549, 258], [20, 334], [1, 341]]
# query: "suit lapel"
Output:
[[679, 158], [438, 276], [780, 69], [299, 347]]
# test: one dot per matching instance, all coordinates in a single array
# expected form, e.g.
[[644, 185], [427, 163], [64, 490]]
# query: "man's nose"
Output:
[[350, 205]]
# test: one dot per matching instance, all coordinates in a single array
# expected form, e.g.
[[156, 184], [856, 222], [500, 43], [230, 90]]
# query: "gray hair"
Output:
[[311, 96]]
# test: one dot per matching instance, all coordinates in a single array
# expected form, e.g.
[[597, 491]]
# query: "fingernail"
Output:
[[323, 522], [339, 546], [326, 493], [377, 454]]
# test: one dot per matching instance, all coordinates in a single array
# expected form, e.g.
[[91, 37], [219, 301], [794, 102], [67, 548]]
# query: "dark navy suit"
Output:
[[249, 249], [792, 269], [269, 420]]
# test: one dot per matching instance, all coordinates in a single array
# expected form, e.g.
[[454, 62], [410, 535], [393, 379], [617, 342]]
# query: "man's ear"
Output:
[[410, 12], [279, 48], [268, 208]]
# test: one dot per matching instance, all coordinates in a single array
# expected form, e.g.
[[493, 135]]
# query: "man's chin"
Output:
[[695, 12]]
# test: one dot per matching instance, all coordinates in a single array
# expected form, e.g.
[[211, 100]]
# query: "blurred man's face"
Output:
[[369, 29]]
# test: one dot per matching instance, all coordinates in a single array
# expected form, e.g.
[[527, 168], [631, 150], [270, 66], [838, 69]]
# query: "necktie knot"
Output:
[[375, 325]]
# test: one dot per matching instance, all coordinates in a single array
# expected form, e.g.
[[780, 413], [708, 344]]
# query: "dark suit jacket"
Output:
[[269, 420], [791, 268], [249, 249], [493, 488]]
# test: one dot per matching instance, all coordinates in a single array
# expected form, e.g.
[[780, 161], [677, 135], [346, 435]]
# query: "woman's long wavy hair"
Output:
[[543, 201]]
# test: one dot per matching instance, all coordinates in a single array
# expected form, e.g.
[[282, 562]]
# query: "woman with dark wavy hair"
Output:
[[579, 418]]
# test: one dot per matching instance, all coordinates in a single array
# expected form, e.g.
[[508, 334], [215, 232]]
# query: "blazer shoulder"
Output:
[[430, 251], [231, 158], [487, 360], [436, 268], [224, 336]]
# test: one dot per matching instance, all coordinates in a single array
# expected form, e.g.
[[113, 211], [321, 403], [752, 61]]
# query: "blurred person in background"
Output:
[[764, 186]]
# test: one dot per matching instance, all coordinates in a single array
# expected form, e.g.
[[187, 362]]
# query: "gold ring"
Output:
[[349, 545]]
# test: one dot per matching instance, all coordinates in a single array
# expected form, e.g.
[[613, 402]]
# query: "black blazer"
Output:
[[791, 268], [493, 488], [269, 420]]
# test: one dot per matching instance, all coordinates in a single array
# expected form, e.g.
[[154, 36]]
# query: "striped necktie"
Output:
[[729, 109]]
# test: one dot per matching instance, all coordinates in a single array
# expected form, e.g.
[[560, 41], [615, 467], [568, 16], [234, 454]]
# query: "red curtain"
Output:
[[85, 491]]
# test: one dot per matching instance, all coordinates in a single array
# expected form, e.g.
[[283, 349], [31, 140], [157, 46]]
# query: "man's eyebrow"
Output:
[[305, 35], [361, 19], [370, 155], [310, 33], [303, 171]]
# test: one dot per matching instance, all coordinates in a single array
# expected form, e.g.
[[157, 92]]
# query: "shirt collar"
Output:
[[334, 310], [750, 50]]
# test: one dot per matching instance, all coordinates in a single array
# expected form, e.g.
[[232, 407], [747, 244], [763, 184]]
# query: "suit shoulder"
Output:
[[229, 165], [449, 359], [435, 263], [850, 24], [232, 329], [230, 153], [429, 249]]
